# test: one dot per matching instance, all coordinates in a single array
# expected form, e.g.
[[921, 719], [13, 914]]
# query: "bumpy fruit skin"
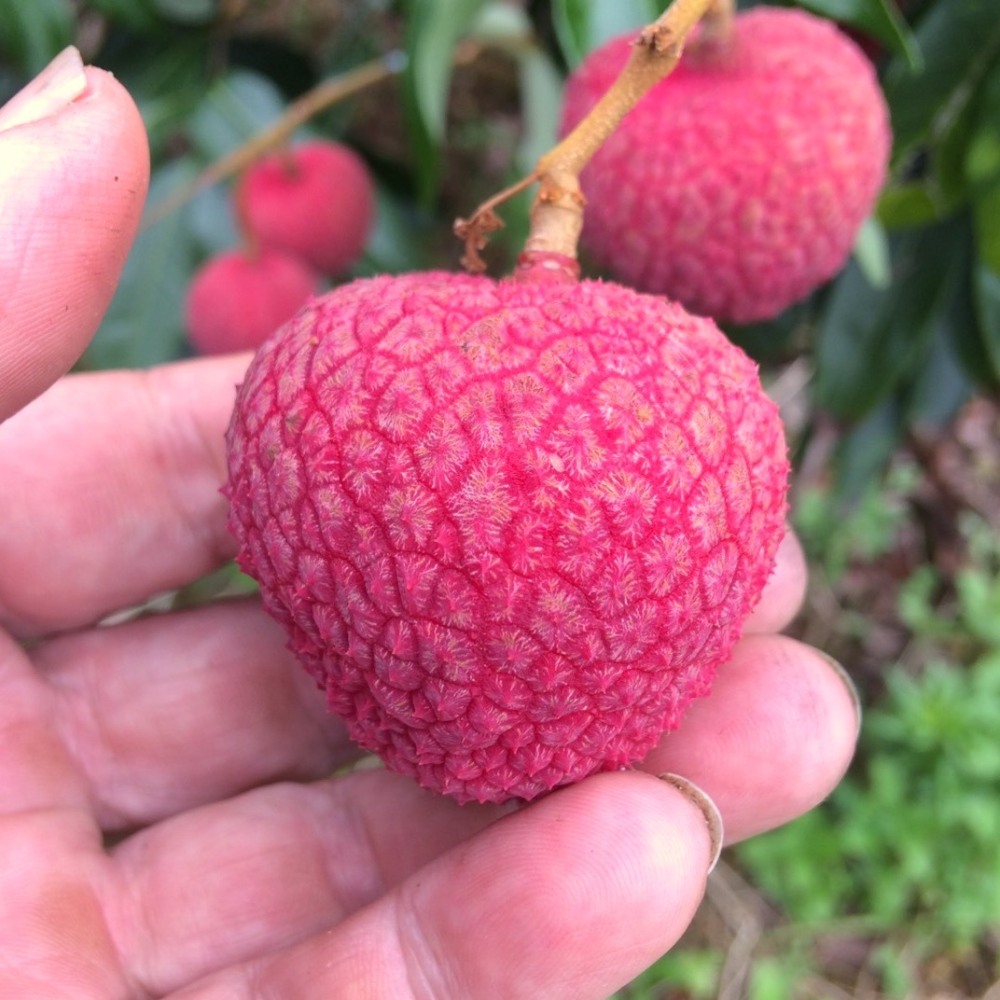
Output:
[[316, 201], [238, 299], [510, 528], [739, 183]]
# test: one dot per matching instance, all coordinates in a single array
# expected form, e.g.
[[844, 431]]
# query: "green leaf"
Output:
[[879, 18], [541, 99], [582, 26], [850, 330], [32, 34], [986, 216], [211, 221], [963, 327], [982, 162], [959, 42], [864, 451], [236, 108], [986, 273], [400, 238], [908, 206], [871, 251], [139, 15], [188, 11], [986, 283], [501, 24], [871, 339], [940, 386], [433, 29]]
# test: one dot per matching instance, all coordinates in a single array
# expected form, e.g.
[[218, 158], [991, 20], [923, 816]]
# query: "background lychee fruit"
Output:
[[237, 299], [739, 183], [511, 528], [316, 201]]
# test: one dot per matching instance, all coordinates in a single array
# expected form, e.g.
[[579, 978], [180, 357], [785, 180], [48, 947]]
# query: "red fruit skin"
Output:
[[316, 201], [511, 528], [236, 300], [738, 184]]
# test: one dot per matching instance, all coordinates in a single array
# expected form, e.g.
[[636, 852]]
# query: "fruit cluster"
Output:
[[513, 527], [305, 213]]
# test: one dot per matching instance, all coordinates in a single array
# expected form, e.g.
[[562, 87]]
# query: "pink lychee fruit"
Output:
[[238, 298], [511, 528], [316, 201], [737, 185]]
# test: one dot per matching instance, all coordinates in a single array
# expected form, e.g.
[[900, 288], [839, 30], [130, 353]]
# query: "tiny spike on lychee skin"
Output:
[[527, 578]]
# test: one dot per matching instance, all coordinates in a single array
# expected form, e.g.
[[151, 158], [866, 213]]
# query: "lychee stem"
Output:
[[717, 24], [557, 212]]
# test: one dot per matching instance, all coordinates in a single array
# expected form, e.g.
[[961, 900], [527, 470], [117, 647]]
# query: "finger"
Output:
[[218, 885], [568, 898], [37, 769], [74, 168], [56, 944], [784, 592], [172, 711], [772, 740], [115, 495]]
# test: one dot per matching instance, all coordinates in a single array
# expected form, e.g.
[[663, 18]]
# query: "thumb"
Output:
[[74, 168]]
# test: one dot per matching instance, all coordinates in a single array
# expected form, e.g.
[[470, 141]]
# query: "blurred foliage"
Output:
[[905, 849]]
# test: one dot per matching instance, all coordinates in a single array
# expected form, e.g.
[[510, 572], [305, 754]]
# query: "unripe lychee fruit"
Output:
[[316, 201], [510, 528], [238, 299], [738, 184]]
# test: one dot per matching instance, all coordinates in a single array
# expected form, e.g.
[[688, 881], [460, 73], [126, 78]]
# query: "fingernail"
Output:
[[852, 690], [713, 818], [60, 83]]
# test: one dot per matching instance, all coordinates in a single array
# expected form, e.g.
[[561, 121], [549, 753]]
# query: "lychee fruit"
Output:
[[238, 298], [737, 185], [511, 528], [316, 201]]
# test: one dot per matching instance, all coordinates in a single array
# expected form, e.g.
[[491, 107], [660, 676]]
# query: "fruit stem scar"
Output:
[[557, 211]]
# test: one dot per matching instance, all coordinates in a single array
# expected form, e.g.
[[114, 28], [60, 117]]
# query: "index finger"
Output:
[[113, 492]]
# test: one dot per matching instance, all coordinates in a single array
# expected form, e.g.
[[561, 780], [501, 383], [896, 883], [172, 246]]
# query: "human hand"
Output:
[[165, 823]]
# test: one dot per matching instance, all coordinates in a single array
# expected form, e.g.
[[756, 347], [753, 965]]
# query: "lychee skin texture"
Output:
[[511, 529], [316, 201], [237, 299], [739, 183]]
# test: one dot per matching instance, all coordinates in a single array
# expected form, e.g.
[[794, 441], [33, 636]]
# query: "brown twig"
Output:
[[485, 221], [325, 94], [717, 24], [557, 212]]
